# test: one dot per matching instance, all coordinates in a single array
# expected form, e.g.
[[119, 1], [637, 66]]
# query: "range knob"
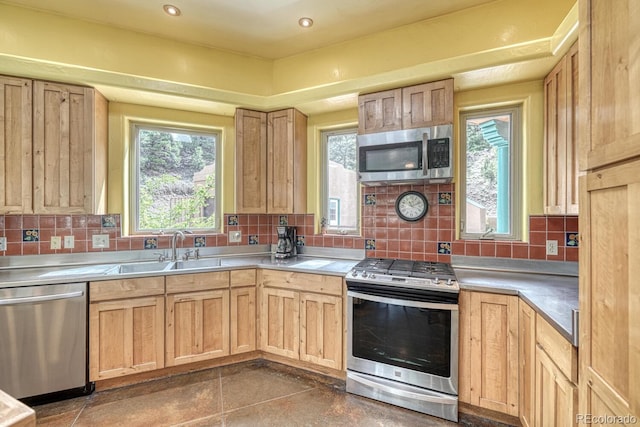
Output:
[[354, 273], [449, 282], [364, 275], [372, 276], [436, 281]]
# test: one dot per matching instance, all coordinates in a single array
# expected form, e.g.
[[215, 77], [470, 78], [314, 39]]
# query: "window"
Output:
[[491, 169], [175, 181], [341, 190]]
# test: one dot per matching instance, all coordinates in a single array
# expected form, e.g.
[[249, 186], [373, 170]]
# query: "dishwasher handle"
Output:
[[40, 298]]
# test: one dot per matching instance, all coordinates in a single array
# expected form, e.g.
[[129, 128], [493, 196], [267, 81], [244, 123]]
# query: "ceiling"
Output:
[[262, 28]]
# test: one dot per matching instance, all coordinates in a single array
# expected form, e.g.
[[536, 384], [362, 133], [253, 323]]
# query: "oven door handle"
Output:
[[408, 303]]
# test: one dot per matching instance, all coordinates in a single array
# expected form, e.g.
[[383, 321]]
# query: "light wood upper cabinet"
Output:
[[271, 162], [286, 162], [527, 357], [243, 311], [428, 104], [609, 82], [197, 319], [422, 105], [126, 327], [561, 136], [494, 352], [251, 161], [69, 149], [15, 145], [380, 111]]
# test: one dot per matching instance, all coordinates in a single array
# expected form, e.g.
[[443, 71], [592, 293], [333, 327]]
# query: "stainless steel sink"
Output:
[[196, 263], [140, 267]]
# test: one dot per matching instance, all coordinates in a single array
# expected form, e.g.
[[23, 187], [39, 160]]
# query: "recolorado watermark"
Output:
[[606, 419]]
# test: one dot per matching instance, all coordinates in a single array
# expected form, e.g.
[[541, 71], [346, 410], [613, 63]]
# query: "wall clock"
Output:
[[411, 206]]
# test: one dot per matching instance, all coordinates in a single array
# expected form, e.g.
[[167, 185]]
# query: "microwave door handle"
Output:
[[425, 154]]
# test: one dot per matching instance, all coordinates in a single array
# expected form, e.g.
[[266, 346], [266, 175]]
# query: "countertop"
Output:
[[551, 288], [553, 296], [15, 413]]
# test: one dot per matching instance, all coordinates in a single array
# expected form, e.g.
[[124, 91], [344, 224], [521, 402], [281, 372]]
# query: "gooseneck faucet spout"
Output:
[[176, 234]]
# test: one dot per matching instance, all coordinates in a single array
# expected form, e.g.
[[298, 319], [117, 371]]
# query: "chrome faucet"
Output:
[[174, 252]]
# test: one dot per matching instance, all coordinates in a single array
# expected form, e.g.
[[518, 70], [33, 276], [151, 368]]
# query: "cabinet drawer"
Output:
[[197, 282], [243, 278], [319, 283], [558, 348], [126, 288]]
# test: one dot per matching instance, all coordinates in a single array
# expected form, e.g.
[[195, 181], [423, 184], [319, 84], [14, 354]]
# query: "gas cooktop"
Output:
[[405, 273]]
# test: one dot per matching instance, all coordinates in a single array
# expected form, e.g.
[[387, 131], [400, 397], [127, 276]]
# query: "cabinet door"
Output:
[[555, 128], [243, 319], [321, 329], [555, 396], [15, 146], [494, 352], [428, 104], [464, 352], [609, 81], [126, 337], [527, 350], [279, 322], [69, 149], [197, 326], [561, 136], [286, 162], [610, 291], [380, 111], [251, 161]]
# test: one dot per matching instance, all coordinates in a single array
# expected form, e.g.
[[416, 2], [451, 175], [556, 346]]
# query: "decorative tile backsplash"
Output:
[[384, 235]]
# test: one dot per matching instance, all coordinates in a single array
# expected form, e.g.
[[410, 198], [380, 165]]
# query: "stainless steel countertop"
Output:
[[550, 292]]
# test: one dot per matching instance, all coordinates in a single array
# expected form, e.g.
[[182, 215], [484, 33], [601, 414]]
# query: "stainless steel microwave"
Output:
[[406, 156]]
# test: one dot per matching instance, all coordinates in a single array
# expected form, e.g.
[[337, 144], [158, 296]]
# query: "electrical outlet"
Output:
[[69, 242], [235, 236], [3, 243], [56, 242], [100, 241], [552, 247]]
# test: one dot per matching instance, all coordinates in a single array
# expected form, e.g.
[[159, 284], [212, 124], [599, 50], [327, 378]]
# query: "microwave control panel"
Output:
[[438, 153]]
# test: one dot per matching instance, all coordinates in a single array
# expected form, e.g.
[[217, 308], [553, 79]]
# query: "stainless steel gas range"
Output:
[[402, 342]]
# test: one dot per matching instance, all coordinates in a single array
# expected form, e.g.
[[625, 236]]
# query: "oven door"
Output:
[[414, 342]]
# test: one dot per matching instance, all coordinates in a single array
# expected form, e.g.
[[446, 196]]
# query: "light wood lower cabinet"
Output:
[[299, 324], [527, 350], [126, 327], [556, 397], [197, 320], [243, 311], [320, 329], [280, 322], [490, 358]]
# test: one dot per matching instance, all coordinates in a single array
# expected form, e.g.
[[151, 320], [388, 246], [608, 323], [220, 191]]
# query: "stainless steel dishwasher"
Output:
[[43, 341]]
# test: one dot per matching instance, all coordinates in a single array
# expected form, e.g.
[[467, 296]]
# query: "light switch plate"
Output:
[[100, 241], [69, 242], [552, 247], [235, 236], [3, 243], [56, 242]]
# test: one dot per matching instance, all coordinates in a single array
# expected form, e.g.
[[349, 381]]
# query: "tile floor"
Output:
[[256, 393]]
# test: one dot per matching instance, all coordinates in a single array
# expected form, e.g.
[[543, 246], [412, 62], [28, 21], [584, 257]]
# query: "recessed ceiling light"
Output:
[[305, 22], [171, 10]]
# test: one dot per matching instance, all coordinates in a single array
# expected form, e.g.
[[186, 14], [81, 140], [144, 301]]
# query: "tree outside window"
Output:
[[175, 179]]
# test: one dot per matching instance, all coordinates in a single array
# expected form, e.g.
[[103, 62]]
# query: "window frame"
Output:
[[133, 198], [324, 196], [516, 169]]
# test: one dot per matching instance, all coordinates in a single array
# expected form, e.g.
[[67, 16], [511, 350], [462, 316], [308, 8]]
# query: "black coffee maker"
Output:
[[286, 245]]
